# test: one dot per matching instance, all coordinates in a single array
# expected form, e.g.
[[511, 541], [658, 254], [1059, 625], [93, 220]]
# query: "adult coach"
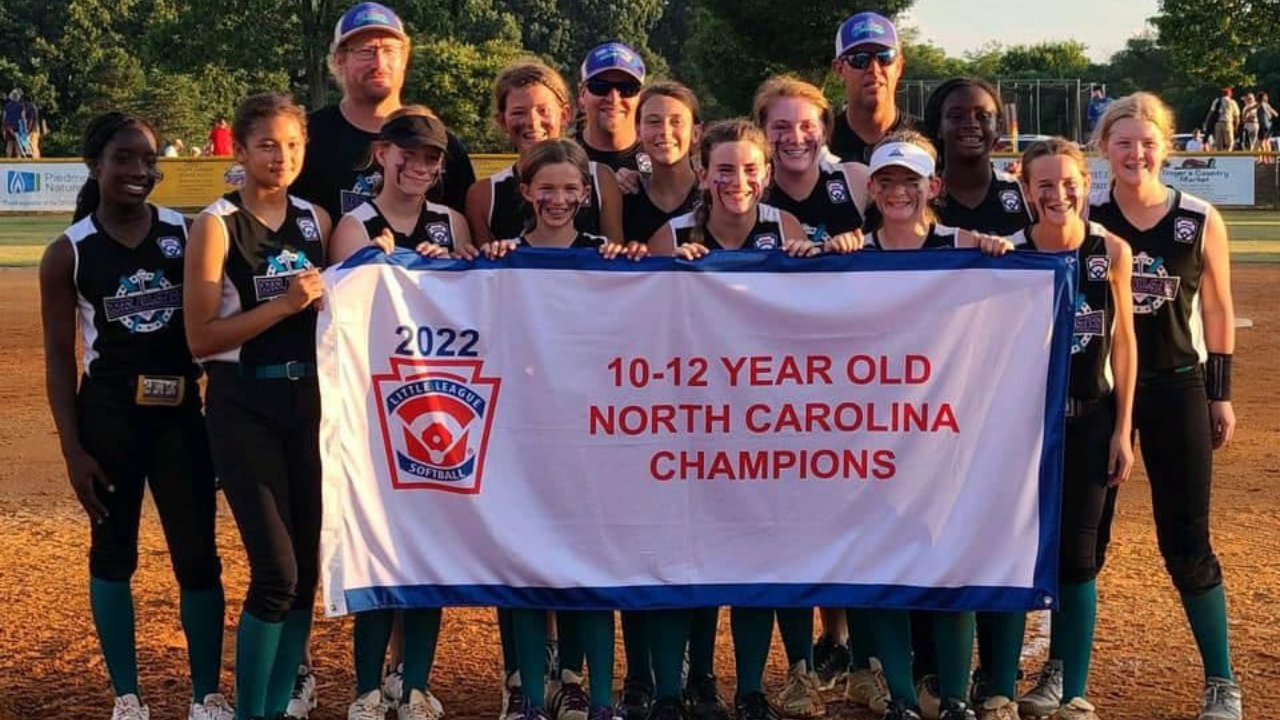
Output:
[[869, 62], [368, 60], [612, 75]]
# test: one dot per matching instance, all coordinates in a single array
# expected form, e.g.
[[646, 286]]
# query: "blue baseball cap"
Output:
[[613, 56], [865, 28], [367, 17]]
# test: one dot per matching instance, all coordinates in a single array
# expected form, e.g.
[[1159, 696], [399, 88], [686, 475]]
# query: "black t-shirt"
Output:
[[336, 149], [849, 147]]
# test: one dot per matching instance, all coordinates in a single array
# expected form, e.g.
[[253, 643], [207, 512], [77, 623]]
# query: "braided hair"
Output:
[[97, 136]]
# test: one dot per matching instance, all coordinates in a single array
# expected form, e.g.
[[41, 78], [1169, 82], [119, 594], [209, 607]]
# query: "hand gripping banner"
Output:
[[557, 430]]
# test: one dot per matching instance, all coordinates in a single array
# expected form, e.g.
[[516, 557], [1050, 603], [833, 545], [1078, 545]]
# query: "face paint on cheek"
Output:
[[400, 173]]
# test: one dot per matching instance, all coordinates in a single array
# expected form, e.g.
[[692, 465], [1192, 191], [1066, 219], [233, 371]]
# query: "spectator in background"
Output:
[[35, 125], [15, 128], [1098, 103], [1266, 118], [219, 139], [1196, 143], [1221, 122], [173, 148], [1249, 124]]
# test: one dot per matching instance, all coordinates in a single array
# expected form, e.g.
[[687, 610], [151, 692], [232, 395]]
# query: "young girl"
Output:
[[828, 199], [1099, 451], [252, 288], [554, 181], [903, 181], [670, 126], [135, 419], [532, 103], [1185, 326]]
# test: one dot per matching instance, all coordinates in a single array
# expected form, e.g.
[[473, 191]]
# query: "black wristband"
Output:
[[1218, 377]]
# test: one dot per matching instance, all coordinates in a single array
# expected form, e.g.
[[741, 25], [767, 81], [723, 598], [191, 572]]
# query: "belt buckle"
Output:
[[293, 370], [160, 390]]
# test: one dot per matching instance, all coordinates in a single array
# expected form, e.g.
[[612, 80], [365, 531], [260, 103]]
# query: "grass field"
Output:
[[1255, 236]]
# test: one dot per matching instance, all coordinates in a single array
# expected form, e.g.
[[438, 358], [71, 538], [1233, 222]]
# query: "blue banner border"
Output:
[[987, 598]]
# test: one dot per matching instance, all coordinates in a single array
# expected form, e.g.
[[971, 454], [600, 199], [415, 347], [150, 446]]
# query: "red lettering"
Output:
[[818, 367], [720, 465], [946, 418], [752, 425], [654, 471], [815, 417], [885, 465], [734, 367], [861, 370], [600, 422], [919, 369], [761, 370]]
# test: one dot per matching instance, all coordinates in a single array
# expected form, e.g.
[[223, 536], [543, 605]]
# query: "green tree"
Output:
[[455, 79], [1047, 60]]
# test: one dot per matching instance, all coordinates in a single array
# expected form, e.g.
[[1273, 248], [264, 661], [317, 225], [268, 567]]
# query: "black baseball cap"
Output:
[[415, 131]]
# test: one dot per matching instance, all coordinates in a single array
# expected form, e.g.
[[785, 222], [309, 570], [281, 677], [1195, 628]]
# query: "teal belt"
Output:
[[291, 370]]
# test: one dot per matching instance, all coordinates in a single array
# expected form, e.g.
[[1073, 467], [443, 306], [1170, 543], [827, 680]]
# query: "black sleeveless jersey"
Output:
[[583, 240], [259, 263], [1003, 211], [938, 237], [130, 299], [829, 210], [1168, 261], [1091, 377], [641, 218], [766, 234], [435, 225], [510, 215]]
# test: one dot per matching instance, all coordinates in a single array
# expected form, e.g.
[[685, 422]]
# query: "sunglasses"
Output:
[[626, 88], [862, 60]]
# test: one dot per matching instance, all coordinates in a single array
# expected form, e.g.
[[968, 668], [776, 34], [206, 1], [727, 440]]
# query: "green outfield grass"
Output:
[[1255, 236]]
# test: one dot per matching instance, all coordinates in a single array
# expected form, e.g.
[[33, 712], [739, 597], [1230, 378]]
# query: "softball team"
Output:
[[1151, 355]]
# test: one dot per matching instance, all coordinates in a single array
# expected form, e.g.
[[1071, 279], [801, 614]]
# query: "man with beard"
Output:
[[612, 75], [869, 62], [368, 59]]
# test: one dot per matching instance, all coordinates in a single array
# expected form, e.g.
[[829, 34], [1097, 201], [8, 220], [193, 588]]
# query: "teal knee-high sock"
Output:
[[572, 645], [752, 631], [202, 612], [1006, 631], [293, 646], [421, 633], [595, 628], [529, 637], [112, 606], [985, 626], [635, 644], [1072, 628], [256, 644], [1057, 638], [1207, 613], [861, 646], [369, 635], [668, 635], [953, 638], [507, 638], [891, 637], [704, 622], [795, 625]]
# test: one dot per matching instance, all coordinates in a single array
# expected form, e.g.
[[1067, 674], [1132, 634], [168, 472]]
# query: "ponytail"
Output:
[[87, 199]]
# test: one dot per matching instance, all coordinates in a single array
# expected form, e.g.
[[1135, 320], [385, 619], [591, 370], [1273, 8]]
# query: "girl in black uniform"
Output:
[[135, 420], [410, 150], [670, 123], [555, 174], [1099, 447], [531, 103], [1185, 325], [828, 199], [903, 183], [253, 283]]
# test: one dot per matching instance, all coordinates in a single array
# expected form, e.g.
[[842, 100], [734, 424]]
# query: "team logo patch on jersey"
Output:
[[170, 247], [1097, 266], [144, 302], [837, 192], [1089, 324], [439, 234], [309, 230], [280, 270], [1153, 286], [644, 163], [766, 241], [1011, 201], [1185, 230], [435, 417]]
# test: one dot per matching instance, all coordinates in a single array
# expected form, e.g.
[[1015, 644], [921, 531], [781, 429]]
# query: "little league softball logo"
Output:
[[440, 235], [1152, 284], [837, 192], [1011, 201], [145, 302], [767, 241], [1185, 230], [435, 418]]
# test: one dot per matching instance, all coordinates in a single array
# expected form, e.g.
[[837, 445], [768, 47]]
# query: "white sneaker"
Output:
[[1077, 709], [303, 700], [214, 707], [393, 685], [998, 707], [129, 707], [1222, 700], [800, 697], [866, 688], [512, 698], [368, 707], [570, 701], [1044, 699], [420, 706]]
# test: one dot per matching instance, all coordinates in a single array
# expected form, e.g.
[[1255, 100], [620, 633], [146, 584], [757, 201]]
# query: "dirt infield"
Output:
[[1146, 667]]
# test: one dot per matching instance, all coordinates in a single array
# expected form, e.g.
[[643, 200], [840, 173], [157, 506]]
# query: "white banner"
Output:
[[555, 430], [41, 186], [1220, 179]]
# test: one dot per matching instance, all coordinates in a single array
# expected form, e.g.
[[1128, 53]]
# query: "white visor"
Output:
[[908, 155]]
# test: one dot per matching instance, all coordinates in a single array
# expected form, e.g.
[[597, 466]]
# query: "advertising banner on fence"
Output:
[[557, 430], [1226, 180], [41, 186]]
